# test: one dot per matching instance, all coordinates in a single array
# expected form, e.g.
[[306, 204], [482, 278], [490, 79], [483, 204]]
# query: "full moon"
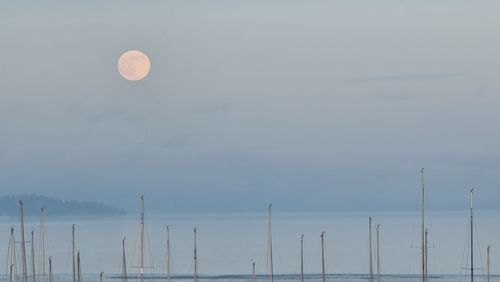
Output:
[[133, 65]]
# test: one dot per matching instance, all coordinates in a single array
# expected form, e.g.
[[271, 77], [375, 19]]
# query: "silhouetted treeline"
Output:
[[9, 206]]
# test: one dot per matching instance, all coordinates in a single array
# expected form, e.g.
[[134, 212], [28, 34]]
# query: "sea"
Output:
[[229, 244]]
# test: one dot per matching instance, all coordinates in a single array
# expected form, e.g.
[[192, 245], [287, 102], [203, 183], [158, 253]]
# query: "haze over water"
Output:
[[228, 243]]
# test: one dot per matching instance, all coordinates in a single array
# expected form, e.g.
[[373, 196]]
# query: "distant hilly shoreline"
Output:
[[9, 206]]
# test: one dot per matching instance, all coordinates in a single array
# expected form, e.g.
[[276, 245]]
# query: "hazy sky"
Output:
[[311, 105]]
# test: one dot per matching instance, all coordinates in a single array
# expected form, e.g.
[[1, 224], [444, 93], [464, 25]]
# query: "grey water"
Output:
[[229, 244], [288, 277]]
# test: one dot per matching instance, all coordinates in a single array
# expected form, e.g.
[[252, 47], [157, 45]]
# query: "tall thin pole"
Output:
[[11, 253], [488, 263], [124, 261], [426, 262], [33, 273], [195, 257], [42, 245], [79, 267], [471, 236], [424, 278], [302, 258], [51, 277], [370, 256], [270, 246], [253, 271], [169, 263], [73, 251], [23, 243], [141, 270], [323, 268], [101, 274], [11, 272], [378, 252]]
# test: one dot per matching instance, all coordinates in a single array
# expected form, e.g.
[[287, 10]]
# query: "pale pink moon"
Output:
[[133, 65]]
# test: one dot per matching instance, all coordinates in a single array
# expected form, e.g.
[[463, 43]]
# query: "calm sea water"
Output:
[[228, 244], [309, 277]]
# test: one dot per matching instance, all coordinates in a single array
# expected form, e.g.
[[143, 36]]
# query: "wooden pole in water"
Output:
[[302, 258], [33, 273], [141, 270], [42, 245], [124, 261], [169, 263], [253, 271], [73, 251], [488, 263], [100, 276], [79, 267], [23, 243], [471, 236], [195, 276], [424, 277], [426, 254], [12, 252], [370, 257], [323, 268], [51, 277], [10, 272], [270, 246], [378, 252]]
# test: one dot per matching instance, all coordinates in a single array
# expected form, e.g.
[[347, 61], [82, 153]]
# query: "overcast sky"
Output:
[[312, 105]]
